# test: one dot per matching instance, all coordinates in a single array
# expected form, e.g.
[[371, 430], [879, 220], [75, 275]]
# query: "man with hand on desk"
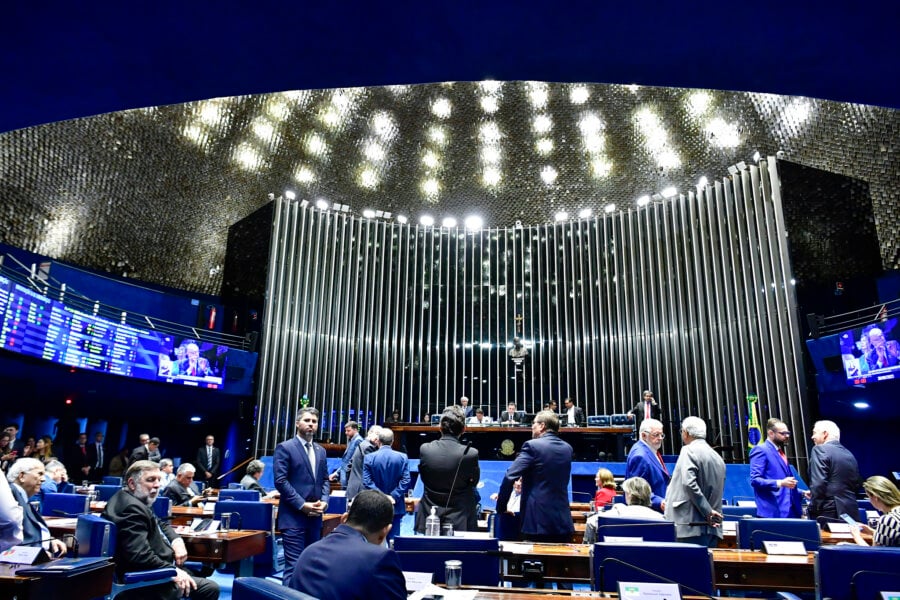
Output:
[[352, 563], [145, 542], [25, 477], [182, 491], [301, 476]]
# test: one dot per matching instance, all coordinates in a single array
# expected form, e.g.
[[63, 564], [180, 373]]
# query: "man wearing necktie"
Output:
[[301, 476], [647, 408], [774, 485], [209, 463], [645, 460], [96, 458], [25, 477]]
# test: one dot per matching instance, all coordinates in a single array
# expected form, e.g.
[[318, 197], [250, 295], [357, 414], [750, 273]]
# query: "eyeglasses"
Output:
[[783, 432], [659, 435]]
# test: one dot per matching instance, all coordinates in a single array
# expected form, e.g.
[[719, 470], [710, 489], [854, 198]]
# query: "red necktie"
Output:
[[659, 456], [646, 410], [84, 450], [783, 456]]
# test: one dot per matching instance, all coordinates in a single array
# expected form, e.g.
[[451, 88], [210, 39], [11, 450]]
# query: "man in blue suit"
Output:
[[301, 476], [774, 486], [645, 461], [25, 478], [352, 562], [351, 430], [388, 471]]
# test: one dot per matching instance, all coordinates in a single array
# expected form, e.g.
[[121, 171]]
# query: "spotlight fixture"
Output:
[[426, 220], [703, 182], [290, 195], [756, 156], [669, 192], [304, 203], [561, 216], [732, 170], [585, 213], [448, 222], [643, 200], [609, 208], [474, 223], [322, 204], [369, 213], [270, 196], [402, 219], [741, 166]]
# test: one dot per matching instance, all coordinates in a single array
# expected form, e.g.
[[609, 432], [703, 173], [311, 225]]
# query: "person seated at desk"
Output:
[[55, 477], [885, 497], [606, 488], [512, 416], [144, 542], [479, 420], [250, 481], [183, 491], [10, 518], [25, 478], [166, 467], [352, 563], [637, 506]]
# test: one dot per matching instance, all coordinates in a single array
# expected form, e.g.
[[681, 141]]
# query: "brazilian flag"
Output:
[[754, 431]]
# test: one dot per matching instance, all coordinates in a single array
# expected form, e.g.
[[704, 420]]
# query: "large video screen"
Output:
[[871, 353], [35, 325]]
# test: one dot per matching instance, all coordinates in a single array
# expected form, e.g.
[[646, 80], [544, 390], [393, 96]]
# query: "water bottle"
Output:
[[432, 523]]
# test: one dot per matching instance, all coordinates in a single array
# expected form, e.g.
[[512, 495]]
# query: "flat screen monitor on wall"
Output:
[[871, 353]]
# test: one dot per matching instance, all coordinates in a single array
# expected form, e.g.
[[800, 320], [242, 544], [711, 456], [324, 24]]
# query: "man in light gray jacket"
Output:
[[694, 495]]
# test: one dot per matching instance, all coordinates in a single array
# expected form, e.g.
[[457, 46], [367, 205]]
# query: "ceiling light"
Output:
[[426, 220], [441, 108], [544, 146], [585, 213], [474, 223], [369, 213], [542, 124], [861, 404], [549, 174], [756, 156], [448, 222], [322, 204], [609, 208], [402, 219], [304, 203], [561, 216], [491, 176], [489, 104], [289, 195], [643, 200], [579, 95], [669, 192], [703, 182], [490, 86]]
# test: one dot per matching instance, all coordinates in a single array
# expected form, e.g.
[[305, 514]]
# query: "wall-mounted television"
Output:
[[35, 325], [871, 353]]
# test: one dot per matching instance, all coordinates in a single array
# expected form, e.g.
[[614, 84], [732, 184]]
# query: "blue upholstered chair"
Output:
[[112, 480], [65, 488], [259, 516], [239, 495], [598, 421], [480, 557], [65, 505], [97, 537], [256, 588], [736, 499], [751, 533], [506, 527], [856, 572], [689, 565], [648, 529], [733, 513], [162, 507], [105, 492]]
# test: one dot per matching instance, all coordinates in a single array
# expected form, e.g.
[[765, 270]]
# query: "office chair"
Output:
[[648, 529], [239, 495], [480, 557], [66, 488], [259, 516], [97, 537], [257, 588], [337, 504], [235, 486], [162, 507], [105, 492], [734, 513], [856, 572], [65, 505], [751, 533], [506, 527], [688, 565], [112, 480], [598, 421]]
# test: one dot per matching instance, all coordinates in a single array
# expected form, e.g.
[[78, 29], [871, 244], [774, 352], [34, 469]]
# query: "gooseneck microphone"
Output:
[[657, 576]]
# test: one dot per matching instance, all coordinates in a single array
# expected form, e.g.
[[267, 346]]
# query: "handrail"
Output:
[[860, 317]]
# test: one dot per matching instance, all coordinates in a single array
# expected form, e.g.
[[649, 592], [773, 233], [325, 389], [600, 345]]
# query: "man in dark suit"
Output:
[[182, 491], [574, 414], [511, 416], [648, 407], [645, 460], [96, 458], [77, 462], [352, 563], [833, 474], [544, 463], [450, 475], [14, 442], [388, 471], [774, 486], [209, 463], [301, 477], [366, 446], [141, 451], [25, 477], [144, 542]]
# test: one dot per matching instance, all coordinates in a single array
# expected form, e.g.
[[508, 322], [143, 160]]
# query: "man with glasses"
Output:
[[645, 461], [773, 483]]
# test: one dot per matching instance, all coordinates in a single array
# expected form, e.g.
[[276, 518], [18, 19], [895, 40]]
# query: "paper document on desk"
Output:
[[516, 547], [433, 591]]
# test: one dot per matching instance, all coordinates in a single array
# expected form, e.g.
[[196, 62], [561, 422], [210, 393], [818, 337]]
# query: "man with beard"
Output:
[[144, 542], [645, 461], [774, 486]]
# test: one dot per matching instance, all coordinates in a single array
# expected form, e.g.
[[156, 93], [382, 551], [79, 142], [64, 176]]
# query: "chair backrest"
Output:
[[650, 530], [733, 513], [65, 505], [105, 492], [337, 504], [751, 533], [241, 495], [507, 527], [257, 588], [96, 536], [251, 514], [480, 557], [162, 507], [66, 488], [689, 565], [598, 420], [620, 420], [235, 486], [852, 572], [112, 480]]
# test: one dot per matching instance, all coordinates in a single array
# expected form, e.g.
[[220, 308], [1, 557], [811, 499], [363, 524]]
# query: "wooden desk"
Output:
[[561, 562], [226, 547], [83, 585], [729, 540]]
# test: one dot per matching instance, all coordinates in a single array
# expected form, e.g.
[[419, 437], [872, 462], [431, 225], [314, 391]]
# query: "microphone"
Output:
[[657, 577]]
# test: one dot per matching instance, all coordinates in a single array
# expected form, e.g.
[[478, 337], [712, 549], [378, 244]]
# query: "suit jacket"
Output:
[[579, 417], [32, 522], [178, 494], [95, 473], [139, 453], [143, 542], [643, 462], [545, 466], [456, 499], [833, 481], [638, 411], [518, 417], [345, 566], [469, 410], [388, 470], [297, 483], [347, 457], [695, 490], [355, 479], [249, 482], [766, 468], [200, 463]]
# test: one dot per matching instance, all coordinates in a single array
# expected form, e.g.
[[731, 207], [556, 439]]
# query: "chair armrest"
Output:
[[151, 575]]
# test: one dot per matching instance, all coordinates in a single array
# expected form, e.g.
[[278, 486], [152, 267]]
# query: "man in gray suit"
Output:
[[833, 474], [694, 495], [367, 446]]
